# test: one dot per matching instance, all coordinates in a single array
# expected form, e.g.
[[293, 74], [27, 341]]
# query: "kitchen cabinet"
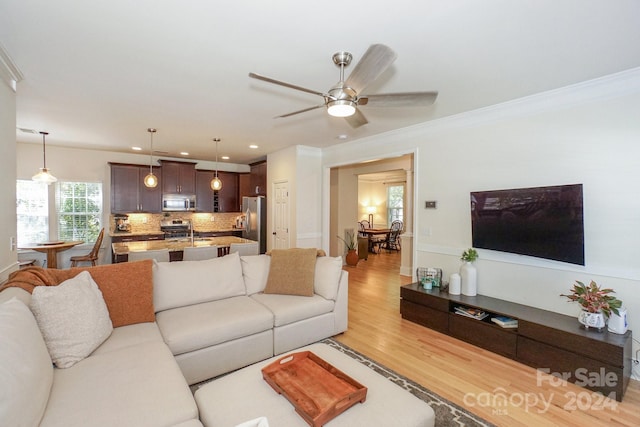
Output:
[[224, 200], [228, 195], [178, 177], [244, 185], [259, 179], [128, 192]]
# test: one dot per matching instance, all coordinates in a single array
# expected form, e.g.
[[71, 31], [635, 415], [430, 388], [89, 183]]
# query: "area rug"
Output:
[[448, 414]]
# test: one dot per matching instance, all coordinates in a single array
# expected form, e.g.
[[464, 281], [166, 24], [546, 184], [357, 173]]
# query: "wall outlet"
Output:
[[12, 244], [145, 219], [430, 204], [213, 218]]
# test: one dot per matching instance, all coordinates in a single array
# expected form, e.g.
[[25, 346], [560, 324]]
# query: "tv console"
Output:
[[553, 342]]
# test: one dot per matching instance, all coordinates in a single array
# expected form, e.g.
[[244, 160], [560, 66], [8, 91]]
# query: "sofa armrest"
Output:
[[342, 303]]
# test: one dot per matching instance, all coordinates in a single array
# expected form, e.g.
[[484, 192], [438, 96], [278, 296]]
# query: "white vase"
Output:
[[468, 279], [591, 320], [454, 284]]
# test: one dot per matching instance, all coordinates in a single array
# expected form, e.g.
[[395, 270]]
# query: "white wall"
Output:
[[8, 257], [585, 134], [300, 167]]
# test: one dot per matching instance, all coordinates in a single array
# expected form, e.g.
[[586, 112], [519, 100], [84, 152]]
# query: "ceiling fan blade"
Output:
[[404, 99], [299, 111], [357, 119], [373, 63], [289, 85]]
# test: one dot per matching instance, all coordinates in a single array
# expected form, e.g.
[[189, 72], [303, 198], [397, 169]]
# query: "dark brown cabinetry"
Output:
[[258, 179], [178, 177], [224, 200], [244, 185], [555, 343], [128, 192]]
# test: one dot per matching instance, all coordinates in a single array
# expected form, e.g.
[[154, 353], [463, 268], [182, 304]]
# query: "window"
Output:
[[79, 208], [395, 203], [32, 209]]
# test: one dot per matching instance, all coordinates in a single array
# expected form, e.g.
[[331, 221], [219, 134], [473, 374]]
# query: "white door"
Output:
[[281, 215]]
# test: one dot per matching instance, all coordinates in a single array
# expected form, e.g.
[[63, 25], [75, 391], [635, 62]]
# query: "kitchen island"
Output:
[[176, 246]]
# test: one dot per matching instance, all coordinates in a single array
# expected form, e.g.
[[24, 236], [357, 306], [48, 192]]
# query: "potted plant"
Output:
[[350, 244], [597, 303], [468, 273], [469, 255]]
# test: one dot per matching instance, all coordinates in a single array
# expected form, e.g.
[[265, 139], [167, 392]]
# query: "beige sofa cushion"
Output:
[[178, 284], [288, 309], [73, 318], [327, 276], [255, 270], [193, 327], [137, 386], [26, 372], [292, 272]]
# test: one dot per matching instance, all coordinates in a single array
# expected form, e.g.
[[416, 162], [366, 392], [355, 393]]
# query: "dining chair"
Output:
[[244, 248], [160, 255], [363, 225], [393, 238], [92, 256], [199, 253]]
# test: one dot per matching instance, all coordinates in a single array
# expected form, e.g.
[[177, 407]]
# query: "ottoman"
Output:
[[244, 395]]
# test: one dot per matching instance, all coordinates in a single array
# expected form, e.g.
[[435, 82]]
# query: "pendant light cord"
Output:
[[44, 150], [151, 131]]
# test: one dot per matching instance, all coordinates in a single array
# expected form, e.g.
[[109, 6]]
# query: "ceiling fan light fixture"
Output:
[[44, 175], [341, 108], [150, 180]]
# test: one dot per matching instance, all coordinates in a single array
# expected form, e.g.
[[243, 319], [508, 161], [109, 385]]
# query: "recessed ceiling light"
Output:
[[184, 153], [136, 148], [342, 136], [254, 146], [225, 157]]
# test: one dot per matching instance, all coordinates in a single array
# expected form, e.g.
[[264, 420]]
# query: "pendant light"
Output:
[[216, 184], [151, 181], [44, 176]]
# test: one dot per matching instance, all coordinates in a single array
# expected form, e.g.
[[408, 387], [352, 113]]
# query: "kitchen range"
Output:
[[176, 229]]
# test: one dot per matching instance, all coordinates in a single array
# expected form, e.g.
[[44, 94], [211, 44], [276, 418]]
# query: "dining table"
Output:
[[372, 232], [51, 249]]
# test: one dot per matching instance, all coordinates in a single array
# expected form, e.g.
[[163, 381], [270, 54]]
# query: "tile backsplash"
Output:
[[150, 223]]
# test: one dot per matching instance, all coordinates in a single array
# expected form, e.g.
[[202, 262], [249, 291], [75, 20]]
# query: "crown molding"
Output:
[[9, 71], [607, 87]]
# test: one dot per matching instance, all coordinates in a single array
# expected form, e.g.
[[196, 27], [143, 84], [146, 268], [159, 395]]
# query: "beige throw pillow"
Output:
[[292, 272], [72, 317]]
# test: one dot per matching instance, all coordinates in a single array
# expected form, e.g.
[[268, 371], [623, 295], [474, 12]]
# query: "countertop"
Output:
[[124, 248], [160, 233]]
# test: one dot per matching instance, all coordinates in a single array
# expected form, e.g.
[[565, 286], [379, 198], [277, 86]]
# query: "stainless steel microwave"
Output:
[[178, 202]]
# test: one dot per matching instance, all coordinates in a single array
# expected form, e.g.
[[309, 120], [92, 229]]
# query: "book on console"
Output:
[[473, 313], [505, 322]]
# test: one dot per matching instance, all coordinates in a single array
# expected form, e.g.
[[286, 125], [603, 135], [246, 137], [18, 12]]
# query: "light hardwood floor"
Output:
[[498, 389]]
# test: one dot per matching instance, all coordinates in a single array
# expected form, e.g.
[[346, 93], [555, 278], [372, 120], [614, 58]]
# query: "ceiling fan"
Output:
[[343, 99]]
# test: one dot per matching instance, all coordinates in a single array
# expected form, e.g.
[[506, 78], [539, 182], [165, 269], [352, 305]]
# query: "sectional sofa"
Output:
[[168, 325]]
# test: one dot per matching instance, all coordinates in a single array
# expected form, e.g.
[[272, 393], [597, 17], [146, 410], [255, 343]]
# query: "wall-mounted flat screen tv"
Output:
[[543, 222]]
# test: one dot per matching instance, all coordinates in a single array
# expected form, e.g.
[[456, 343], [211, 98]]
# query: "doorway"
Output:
[[359, 191], [280, 215]]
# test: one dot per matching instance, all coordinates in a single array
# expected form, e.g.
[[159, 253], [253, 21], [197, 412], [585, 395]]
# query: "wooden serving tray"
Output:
[[318, 391]]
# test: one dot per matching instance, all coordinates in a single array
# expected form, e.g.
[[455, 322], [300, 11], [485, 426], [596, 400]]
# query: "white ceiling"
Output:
[[98, 74]]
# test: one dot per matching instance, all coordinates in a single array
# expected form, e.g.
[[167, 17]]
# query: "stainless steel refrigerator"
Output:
[[255, 228]]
